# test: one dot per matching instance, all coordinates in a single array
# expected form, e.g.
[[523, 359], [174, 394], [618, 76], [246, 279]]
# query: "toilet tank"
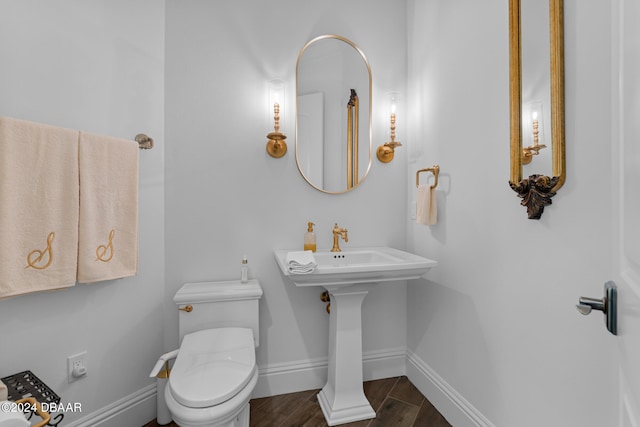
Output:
[[219, 305]]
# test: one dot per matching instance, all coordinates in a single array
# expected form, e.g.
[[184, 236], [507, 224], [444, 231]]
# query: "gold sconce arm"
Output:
[[386, 151], [530, 151], [276, 147]]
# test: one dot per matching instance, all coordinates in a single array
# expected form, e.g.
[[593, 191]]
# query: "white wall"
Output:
[[225, 196], [496, 319], [94, 66]]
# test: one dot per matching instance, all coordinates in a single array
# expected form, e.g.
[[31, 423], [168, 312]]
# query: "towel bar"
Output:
[[435, 170], [144, 141]]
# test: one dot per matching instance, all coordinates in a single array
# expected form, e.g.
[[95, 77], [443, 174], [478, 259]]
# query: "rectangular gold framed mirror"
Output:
[[537, 189]]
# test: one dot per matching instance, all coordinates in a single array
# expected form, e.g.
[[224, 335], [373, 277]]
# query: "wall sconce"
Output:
[[276, 147], [534, 134], [387, 150]]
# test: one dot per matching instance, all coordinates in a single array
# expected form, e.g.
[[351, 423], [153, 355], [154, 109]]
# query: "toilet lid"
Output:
[[212, 366]]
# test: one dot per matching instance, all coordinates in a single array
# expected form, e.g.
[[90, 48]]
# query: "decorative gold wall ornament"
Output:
[[536, 193], [537, 190]]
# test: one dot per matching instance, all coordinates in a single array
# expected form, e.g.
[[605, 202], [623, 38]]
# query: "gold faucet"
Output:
[[337, 233]]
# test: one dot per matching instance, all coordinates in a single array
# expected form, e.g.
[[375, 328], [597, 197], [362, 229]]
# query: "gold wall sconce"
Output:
[[386, 151], [276, 146], [535, 147]]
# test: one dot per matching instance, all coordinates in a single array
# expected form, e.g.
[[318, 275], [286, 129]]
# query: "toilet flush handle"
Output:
[[188, 308]]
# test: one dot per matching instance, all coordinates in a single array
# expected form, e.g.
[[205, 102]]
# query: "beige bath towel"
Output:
[[426, 205], [108, 238], [38, 207]]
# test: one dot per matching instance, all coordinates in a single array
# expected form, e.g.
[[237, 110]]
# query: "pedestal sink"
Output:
[[349, 276]]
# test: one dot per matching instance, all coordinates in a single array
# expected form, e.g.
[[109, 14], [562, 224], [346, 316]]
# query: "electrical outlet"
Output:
[[77, 366]]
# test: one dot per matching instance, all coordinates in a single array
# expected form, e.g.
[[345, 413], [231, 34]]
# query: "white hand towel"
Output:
[[426, 205], [301, 262], [108, 238], [38, 207]]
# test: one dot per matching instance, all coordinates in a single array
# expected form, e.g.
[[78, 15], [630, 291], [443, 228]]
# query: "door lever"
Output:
[[585, 305], [608, 305]]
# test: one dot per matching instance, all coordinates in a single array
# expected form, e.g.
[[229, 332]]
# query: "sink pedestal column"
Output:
[[342, 399]]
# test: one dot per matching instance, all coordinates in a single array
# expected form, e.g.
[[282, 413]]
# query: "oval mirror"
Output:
[[333, 114], [537, 101]]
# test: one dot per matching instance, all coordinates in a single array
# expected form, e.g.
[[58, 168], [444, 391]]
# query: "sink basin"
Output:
[[348, 276], [359, 265]]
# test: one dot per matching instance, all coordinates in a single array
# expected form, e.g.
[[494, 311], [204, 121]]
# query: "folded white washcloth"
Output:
[[301, 262]]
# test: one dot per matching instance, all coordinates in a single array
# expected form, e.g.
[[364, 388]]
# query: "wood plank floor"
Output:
[[396, 401]]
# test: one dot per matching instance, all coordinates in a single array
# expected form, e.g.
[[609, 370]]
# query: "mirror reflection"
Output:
[[333, 114], [536, 84]]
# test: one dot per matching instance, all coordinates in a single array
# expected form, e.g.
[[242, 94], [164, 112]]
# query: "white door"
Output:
[[626, 192]]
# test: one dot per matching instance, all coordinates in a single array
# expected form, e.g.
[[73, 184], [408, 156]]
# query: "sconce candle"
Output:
[[534, 149], [386, 151], [276, 146], [536, 131]]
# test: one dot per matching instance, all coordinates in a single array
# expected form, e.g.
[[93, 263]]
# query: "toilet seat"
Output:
[[218, 415], [212, 366]]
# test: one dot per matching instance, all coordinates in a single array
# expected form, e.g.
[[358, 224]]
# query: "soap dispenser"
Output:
[[310, 238], [244, 271]]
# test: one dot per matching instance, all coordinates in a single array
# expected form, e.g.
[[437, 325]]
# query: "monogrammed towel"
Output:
[[38, 207], [108, 237]]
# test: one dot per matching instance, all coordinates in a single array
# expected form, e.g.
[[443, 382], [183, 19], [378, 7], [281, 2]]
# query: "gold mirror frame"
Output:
[[354, 175], [536, 191]]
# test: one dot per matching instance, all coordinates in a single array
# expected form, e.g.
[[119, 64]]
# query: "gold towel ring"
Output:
[[435, 170]]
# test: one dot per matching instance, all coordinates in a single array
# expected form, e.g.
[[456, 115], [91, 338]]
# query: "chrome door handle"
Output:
[[585, 305], [608, 305]]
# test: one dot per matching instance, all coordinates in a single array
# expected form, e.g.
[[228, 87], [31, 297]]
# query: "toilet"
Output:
[[215, 370]]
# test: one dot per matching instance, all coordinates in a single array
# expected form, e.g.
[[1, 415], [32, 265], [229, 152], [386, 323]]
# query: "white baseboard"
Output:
[[455, 408], [139, 408], [136, 409], [311, 374]]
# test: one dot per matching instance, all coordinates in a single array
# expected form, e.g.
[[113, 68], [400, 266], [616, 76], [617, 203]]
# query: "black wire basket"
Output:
[[25, 384]]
